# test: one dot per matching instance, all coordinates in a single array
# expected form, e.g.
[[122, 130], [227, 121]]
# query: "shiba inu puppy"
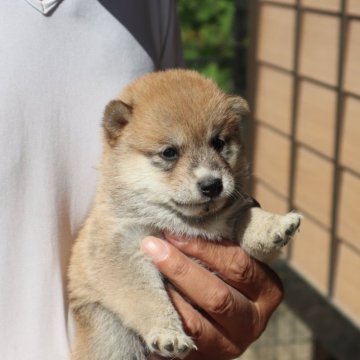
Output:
[[173, 160]]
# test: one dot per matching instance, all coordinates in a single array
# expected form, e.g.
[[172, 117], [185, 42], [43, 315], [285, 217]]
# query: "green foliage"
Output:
[[207, 34]]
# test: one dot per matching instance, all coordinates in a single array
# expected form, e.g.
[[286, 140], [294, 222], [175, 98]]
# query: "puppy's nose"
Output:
[[210, 187]]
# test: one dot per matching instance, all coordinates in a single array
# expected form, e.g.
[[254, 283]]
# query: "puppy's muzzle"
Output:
[[210, 187]]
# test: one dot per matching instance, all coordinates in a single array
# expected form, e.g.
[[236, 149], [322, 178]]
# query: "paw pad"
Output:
[[170, 343], [286, 229]]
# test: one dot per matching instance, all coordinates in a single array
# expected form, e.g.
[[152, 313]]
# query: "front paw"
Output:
[[169, 343], [285, 229]]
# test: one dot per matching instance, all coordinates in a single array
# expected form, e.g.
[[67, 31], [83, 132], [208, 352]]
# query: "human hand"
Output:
[[223, 315]]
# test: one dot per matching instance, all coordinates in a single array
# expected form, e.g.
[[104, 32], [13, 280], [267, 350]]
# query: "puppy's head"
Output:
[[173, 140]]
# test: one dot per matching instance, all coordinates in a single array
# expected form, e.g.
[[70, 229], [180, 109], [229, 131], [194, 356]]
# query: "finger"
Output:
[[182, 272], [200, 286], [253, 278], [204, 332]]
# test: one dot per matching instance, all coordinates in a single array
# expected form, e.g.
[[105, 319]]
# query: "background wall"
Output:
[[306, 112]]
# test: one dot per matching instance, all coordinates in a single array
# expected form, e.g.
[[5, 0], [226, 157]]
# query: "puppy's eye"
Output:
[[169, 153], [217, 143]]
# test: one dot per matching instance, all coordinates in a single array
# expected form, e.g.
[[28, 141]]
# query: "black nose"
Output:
[[210, 187]]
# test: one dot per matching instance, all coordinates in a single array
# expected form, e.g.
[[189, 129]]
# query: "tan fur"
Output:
[[117, 296]]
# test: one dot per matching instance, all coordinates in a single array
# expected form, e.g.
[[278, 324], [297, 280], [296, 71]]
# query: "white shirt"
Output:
[[57, 72]]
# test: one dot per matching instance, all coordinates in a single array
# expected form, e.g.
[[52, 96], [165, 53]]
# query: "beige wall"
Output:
[[306, 153]]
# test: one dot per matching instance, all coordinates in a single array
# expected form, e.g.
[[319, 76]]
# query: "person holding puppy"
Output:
[[57, 71], [234, 309]]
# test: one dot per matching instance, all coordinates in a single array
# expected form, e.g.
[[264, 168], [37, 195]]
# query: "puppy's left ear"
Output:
[[238, 105], [116, 116]]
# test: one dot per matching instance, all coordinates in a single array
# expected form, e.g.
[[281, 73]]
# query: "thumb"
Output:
[[156, 248]]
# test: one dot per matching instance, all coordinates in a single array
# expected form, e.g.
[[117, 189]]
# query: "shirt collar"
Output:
[[44, 6]]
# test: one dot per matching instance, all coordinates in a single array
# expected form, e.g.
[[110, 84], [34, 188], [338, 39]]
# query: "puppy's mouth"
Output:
[[192, 204], [201, 208]]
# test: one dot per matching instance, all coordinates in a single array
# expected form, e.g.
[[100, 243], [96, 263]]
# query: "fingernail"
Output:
[[156, 248], [176, 238]]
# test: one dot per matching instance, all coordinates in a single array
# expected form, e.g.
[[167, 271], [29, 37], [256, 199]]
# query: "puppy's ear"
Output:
[[238, 105], [116, 116]]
